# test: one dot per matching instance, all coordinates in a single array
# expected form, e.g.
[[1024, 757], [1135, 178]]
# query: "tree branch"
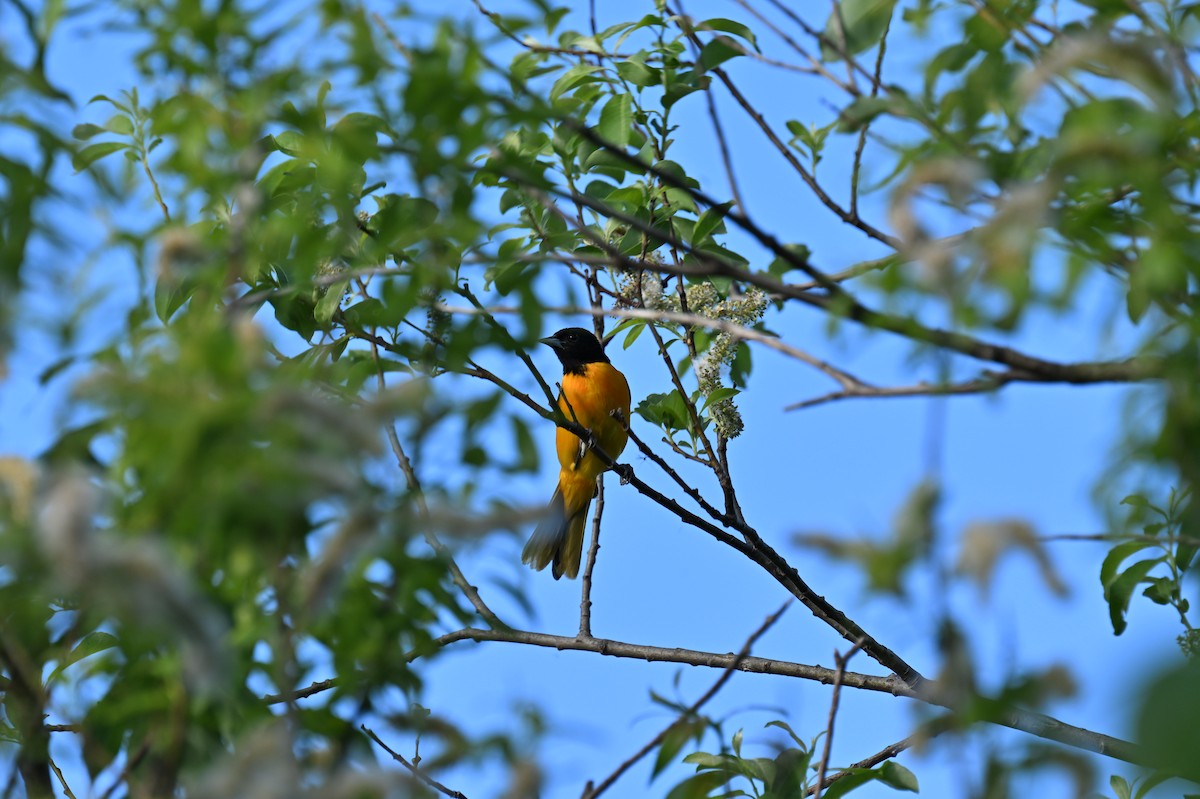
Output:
[[1033, 723], [414, 485], [840, 661], [422, 776]]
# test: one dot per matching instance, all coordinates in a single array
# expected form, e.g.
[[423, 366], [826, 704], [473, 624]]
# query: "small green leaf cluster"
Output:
[[790, 772], [1162, 529]]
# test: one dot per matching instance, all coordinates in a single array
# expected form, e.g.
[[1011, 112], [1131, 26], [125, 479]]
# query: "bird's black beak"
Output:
[[552, 342]]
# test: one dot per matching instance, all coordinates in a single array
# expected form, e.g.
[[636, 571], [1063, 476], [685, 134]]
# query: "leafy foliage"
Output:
[[231, 558]]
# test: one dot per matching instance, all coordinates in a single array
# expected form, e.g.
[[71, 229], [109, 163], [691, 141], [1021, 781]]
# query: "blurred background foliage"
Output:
[[341, 214]]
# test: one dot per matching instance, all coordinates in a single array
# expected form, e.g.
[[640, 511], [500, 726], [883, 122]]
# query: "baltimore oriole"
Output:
[[592, 392]]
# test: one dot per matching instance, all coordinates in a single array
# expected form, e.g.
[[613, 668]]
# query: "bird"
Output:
[[594, 393]]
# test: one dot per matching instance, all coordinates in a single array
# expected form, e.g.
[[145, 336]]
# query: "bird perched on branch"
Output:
[[594, 394]]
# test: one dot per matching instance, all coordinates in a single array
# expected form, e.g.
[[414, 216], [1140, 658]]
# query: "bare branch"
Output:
[[862, 134], [131, 762], [421, 775], [690, 657], [585, 602], [846, 380], [689, 489], [414, 486], [303, 693], [816, 67], [841, 661], [1116, 538], [1037, 724], [61, 780], [987, 382]]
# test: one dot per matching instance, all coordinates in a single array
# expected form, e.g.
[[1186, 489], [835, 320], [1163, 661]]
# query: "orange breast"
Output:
[[590, 399]]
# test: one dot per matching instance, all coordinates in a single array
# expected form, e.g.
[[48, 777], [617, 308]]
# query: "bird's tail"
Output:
[[558, 537]]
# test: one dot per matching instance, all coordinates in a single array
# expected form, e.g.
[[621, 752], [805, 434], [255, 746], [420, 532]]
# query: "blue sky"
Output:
[[1032, 452]]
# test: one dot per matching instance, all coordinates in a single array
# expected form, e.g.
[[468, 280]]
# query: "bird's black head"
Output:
[[576, 347]]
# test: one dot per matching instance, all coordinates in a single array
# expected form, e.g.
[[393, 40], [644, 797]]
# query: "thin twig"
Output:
[[719, 130], [414, 486], [1116, 538], [316, 687], [690, 490], [131, 763], [391, 36], [61, 779], [585, 602], [987, 382], [816, 66], [886, 753], [841, 661], [422, 776], [862, 134], [733, 329], [697, 430], [693, 709]]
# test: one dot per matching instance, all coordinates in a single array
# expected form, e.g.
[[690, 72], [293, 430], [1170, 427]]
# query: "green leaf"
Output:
[[94, 152], [86, 131], [1150, 783], [791, 768], [295, 313], [865, 22], [668, 411], [684, 84], [710, 222], [289, 141], [632, 336], [1120, 591], [634, 70], [91, 644], [719, 50], [728, 26], [679, 734], [862, 112], [1184, 553], [1166, 720], [893, 774], [616, 121], [526, 447], [1112, 561], [575, 76], [402, 221], [1160, 591], [1120, 786], [1138, 501], [119, 124], [781, 266], [54, 369], [719, 395], [699, 786], [508, 276], [853, 778], [368, 314], [810, 138], [783, 725], [329, 302]]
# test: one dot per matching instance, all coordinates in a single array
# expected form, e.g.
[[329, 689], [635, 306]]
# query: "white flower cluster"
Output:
[[645, 290]]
